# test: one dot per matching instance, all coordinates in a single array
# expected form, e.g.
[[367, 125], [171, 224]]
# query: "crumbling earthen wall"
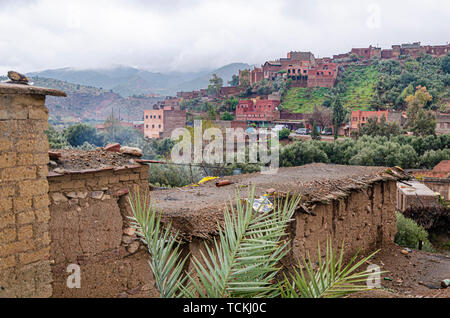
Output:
[[24, 214], [364, 220], [89, 227]]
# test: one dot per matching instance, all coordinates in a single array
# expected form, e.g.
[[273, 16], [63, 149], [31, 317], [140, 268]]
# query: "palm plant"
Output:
[[165, 262], [245, 258], [246, 255], [331, 279]]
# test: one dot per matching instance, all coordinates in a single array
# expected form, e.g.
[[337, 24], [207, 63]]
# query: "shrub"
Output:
[[409, 233], [301, 153], [284, 133]]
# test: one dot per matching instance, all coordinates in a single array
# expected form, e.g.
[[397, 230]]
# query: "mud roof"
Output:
[[11, 88], [72, 161], [196, 210]]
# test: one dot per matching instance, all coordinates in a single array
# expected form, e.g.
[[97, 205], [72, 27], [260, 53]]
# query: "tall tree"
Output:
[[234, 81], [420, 121], [338, 115], [244, 79], [215, 84]]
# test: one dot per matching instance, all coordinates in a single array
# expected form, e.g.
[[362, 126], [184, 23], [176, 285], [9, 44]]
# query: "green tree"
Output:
[[284, 133], [420, 122], [445, 63], [215, 85], [425, 124], [234, 81], [78, 134], [231, 103], [226, 116], [56, 139], [315, 135], [338, 115], [244, 79]]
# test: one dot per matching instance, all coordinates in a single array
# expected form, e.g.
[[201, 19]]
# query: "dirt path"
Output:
[[417, 274]]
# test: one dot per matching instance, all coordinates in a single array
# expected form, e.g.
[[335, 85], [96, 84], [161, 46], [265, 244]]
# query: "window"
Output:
[[146, 126], [159, 126], [159, 116], [153, 126], [146, 117]]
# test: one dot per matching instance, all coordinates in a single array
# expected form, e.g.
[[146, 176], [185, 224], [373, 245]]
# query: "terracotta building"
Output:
[[301, 67], [257, 111], [437, 179], [159, 123], [367, 53], [359, 117]]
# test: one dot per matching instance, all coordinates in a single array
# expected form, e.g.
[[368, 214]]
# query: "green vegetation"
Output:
[[375, 127], [244, 261], [403, 151], [315, 135], [358, 86], [303, 100], [409, 234], [381, 85], [339, 114], [284, 133], [332, 279], [226, 116]]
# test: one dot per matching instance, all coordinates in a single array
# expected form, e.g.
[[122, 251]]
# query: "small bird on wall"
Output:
[[17, 78]]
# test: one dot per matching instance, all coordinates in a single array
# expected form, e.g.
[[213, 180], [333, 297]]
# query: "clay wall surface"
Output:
[[24, 213], [89, 227]]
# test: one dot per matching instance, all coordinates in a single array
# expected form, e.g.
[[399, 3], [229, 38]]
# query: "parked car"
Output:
[[279, 127], [327, 132], [303, 131]]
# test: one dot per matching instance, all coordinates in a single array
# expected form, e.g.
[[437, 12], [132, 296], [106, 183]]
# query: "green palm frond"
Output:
[[331, 279], [162, 245], [246, 255]]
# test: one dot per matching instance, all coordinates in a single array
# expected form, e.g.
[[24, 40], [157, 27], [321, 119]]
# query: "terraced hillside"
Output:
[[303, 100], [359, 84]]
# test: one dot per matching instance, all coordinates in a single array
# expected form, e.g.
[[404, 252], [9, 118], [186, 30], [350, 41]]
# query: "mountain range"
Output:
[[129, 81]]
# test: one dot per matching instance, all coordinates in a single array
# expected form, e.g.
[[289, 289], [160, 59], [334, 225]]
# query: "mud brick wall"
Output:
[[24, 213], [89, 227]]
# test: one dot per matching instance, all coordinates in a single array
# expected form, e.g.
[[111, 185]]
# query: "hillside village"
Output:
[[364, 159]]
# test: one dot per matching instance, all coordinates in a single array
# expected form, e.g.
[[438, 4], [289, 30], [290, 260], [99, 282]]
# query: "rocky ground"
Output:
[[417, 274]]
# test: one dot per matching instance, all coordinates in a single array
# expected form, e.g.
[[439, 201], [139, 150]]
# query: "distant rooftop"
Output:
[[415, 188]]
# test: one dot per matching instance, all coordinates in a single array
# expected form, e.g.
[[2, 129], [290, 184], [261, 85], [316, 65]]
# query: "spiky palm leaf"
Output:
[[246, 256], [331, 279], [162, 245]]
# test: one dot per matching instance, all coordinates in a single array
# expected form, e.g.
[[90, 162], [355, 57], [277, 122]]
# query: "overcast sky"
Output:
[[194, 34]]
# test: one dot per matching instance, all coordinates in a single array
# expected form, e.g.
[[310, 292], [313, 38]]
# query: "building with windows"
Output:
[[359, 117], [442, 123], [258, 111], [160, 122]]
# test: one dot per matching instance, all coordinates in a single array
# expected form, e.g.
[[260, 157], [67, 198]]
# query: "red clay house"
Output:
[[258, 111]]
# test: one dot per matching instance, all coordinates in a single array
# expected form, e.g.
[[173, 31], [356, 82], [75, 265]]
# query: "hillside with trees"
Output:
[[381, 84]]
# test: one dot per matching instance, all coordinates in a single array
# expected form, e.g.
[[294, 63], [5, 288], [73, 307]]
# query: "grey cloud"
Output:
[[194, 34]]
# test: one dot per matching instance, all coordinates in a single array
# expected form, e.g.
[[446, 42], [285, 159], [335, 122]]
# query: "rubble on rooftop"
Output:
[[67, 161]]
